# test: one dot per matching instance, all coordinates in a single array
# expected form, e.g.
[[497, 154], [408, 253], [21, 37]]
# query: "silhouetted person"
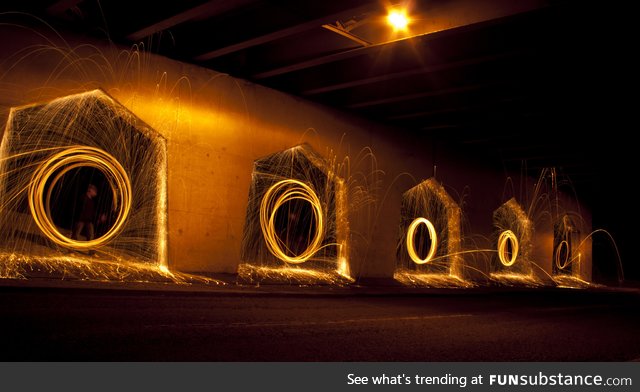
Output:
[[297, 239], [87, 216]]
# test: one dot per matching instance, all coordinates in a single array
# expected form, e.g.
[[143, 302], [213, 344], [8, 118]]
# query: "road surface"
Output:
[[54, 324]]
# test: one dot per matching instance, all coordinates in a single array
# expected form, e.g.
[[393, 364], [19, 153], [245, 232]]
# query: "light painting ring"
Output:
[[506, 237], [59, 164], [558, 256], [433, 236], [277, 195]]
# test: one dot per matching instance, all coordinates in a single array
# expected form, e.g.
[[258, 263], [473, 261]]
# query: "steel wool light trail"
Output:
[[505, 238], [276, 196], [53, 169], [433, 237]]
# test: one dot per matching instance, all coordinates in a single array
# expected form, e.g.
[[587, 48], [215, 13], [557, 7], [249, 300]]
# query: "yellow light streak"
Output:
[[506, 237], [277, 195], [562, 264], [57, 166], [433, 236]]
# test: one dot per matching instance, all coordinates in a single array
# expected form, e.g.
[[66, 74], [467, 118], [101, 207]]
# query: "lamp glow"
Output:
[[398, 19]]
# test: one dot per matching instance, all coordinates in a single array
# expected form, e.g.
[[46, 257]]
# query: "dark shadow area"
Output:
[[453, 325], [422, 241], [565, 236], [68, 194], [295, 226]]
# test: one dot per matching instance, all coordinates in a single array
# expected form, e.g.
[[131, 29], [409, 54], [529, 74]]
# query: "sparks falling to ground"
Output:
[[81, 268], [50, 155], [295, 216], [74, 139], [413, 279], [290, 274], [429, 250], [514, 236], [548, 242]]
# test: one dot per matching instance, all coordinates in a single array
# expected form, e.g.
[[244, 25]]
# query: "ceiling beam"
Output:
[[470, 16], [543, 159], [202, 11], [317, 61], [439, 127], [411, 97], [464, 108], [61, 6], [567, 162], [316, 23], [413, 72]]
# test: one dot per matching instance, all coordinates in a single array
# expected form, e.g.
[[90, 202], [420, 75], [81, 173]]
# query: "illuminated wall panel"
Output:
[[429, 240], [295, 213], [513, 236], [51, 152]]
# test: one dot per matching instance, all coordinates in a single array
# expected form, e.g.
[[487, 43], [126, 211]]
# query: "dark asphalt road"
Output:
[[544, 325]]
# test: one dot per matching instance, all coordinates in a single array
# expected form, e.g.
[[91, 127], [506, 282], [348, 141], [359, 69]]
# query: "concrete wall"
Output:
[[216, 126]]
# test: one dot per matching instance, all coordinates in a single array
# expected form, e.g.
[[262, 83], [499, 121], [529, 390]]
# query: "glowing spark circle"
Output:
[[562, 264], [411, 248], [506, 237], [282, 192], [57, 166]]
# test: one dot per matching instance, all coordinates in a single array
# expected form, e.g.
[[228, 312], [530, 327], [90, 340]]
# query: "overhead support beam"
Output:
[[439, 127], [413, 72], [455, 16], [203, 11], [568, 162], [61, 6], [411, 97], [300, 28], [458, 109], [318, 61], [347, 34]]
